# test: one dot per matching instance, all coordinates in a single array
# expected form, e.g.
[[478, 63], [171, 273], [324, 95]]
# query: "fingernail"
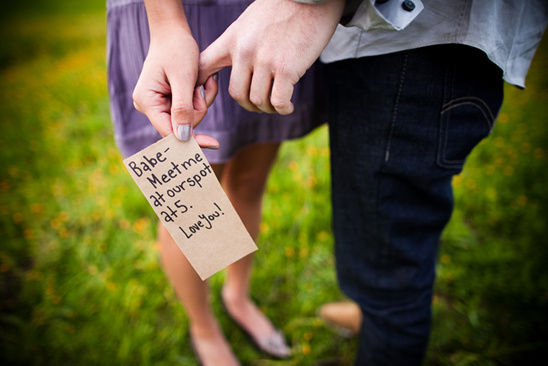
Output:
[[183, 132], [202, 91], [216, 76]]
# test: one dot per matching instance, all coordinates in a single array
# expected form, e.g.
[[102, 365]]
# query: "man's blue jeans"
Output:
[[401, 125]]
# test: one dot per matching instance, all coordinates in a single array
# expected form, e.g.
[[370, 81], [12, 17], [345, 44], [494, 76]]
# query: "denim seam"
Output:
[[378, 211], [395, 112]]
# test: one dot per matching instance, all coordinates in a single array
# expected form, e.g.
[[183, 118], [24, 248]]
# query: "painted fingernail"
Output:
[[216, 76], [202, 91], [183, 132]]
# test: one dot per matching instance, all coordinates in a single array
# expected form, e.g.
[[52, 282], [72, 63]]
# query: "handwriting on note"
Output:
[[182, 188]]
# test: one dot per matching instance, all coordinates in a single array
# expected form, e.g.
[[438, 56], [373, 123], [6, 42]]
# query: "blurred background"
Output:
[[80, 281]]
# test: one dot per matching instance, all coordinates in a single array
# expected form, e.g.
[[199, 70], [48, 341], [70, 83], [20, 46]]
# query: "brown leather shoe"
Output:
[[344, 317]]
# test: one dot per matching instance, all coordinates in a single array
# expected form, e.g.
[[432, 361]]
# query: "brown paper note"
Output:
[[181, 187]]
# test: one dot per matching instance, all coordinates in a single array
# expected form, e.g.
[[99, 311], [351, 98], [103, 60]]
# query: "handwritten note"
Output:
[[183, 190]]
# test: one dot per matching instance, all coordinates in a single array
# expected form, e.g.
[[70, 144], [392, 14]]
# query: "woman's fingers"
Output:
[[206, 142], [203, 98]]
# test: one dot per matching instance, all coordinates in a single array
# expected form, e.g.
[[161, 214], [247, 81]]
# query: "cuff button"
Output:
[[408, 5]]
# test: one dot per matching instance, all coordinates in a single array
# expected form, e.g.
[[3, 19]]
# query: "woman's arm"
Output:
[[166, 91]]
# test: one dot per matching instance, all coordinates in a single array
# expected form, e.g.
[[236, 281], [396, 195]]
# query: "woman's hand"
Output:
[[166, 91]]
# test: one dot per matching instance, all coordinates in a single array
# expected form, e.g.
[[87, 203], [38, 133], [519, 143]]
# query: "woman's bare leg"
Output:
[[244, 181], [210, 344]]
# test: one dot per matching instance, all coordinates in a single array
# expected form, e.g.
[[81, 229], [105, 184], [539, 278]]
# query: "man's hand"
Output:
[[270, 47]]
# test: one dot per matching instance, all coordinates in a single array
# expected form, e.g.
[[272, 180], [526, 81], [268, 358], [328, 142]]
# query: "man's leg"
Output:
[[401, 126]]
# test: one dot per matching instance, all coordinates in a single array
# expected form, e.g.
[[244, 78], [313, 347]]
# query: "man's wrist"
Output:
[[350, 7]]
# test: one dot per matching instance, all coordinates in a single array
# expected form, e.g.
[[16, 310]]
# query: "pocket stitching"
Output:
[[489, 118]]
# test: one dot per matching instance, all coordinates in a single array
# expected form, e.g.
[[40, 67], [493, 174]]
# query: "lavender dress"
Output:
[[234, 127]]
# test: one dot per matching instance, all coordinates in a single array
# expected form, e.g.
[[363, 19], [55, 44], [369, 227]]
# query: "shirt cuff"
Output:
[[385, 14]]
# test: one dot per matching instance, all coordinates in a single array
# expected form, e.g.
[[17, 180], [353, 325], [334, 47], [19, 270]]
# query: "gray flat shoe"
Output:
[[273, 344]]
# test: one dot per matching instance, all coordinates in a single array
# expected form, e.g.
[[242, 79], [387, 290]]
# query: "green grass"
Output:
[[80, 281]]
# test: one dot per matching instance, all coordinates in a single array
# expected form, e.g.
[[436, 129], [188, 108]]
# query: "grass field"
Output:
[[80, 281]]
